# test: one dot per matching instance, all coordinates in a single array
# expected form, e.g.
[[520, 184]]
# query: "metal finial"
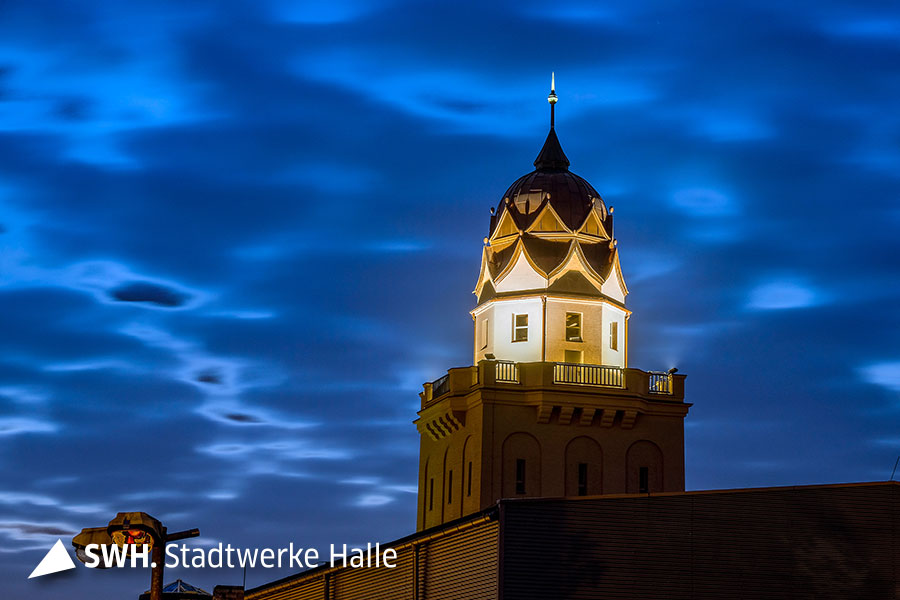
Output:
[[552, 99]]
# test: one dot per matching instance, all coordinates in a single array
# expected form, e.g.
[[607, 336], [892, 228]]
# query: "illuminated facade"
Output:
[[551, 469], [550, 286], [550, 407]]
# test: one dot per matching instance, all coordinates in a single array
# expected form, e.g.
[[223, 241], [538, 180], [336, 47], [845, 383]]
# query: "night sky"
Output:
[[235, 238]]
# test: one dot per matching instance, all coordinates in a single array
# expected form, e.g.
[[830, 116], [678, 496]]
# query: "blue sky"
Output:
[[250, 231]]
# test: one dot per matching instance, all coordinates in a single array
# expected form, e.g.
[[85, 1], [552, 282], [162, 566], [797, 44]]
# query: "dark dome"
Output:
[[551, 182]]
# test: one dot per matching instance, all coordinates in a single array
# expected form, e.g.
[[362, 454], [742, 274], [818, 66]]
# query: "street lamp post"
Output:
[[128, 530], [157, 567], [158, 557]]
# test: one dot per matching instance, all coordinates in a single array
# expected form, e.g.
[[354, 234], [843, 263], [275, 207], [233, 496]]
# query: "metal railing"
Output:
[[599, 375], [507, 372], [440, 386], [660, 383]]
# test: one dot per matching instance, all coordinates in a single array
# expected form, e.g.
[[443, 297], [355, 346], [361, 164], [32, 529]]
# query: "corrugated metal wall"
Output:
[[458, 565], [312, 588], [377, 583], [462, 566], [836, 542]]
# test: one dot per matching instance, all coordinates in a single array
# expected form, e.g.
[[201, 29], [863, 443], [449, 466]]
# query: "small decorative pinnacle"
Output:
[[552, 157], [552, 99]]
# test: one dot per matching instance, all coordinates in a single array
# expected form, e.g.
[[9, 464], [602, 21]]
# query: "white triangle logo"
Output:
[[57, 559]]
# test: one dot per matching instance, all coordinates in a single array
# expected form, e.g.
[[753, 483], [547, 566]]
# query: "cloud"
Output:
[[884, 374], [644, 264], [704, 202], [221, 379], [142, 291], [249, 315], [91, 87], [23, 394], [783, 294], [109, 282], [316, 13], [222, 495], [373, 500], [572, 12], [273, 450], [26, 498], [886, 28], [360, 481], [243, 418], [34, 531], [91, 365], [20, 425], [406, 489], [20, 498], [461, 100], [234, 413]]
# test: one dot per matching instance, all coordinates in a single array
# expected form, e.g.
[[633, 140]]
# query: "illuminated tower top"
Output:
[[550, 406], [550, 286]]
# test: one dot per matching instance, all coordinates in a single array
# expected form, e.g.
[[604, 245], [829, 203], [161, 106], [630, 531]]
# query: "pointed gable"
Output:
[[522, 274], [614, 286], [574, 282], [593, 226], [506, 226], [576, 261], [548, 222]]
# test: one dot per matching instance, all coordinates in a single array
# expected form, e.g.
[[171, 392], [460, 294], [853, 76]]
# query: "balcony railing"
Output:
[[507, 372], [533, 376], [599, 375], [660, 383]]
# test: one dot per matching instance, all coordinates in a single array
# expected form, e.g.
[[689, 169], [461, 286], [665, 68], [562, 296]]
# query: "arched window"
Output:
[[521, 471], [644, 465], [584, 467]]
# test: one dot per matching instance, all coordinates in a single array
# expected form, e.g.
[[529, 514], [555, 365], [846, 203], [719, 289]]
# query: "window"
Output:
[[582, 479], [573, 327], [484, 333], [520, 328], [469, 484], [644, 480], [520, 475], [573, 356], [614, 335], [450, 487], [431, 494]]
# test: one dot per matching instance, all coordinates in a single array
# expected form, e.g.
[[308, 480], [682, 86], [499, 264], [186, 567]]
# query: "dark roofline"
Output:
[[705, 492], [491, 513]]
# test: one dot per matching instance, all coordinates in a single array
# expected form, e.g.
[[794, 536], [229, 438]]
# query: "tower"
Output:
[[550, 406]]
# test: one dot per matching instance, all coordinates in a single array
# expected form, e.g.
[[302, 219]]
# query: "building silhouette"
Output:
[[551, 469]]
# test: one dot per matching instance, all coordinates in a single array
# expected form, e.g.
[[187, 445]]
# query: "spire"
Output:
[[552, 157], [552, 97]]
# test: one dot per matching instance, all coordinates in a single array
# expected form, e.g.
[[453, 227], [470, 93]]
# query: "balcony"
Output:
[[660, 383], [598, 375], [506, 372], [559, 378]]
